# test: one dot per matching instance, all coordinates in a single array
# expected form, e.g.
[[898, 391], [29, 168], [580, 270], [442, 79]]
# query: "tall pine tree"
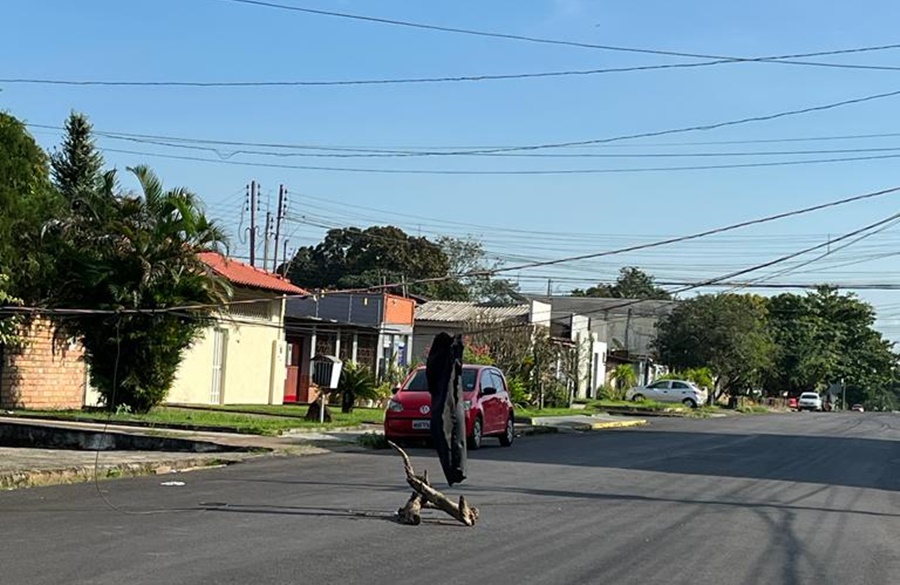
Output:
[[77, 165]]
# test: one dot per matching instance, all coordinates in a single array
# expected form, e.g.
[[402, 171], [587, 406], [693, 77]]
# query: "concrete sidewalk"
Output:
[[595, 422], [27, 467]]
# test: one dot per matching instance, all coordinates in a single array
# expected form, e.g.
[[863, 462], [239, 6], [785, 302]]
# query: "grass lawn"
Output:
[[535, 412], [259, 423], [647, 405], [358, 416]]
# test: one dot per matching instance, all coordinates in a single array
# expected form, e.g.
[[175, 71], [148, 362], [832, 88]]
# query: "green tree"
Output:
[[77, 166], [27, 201], [632, 283], [378, 255], [136, 252], [824, 338], [466, 256], [9, 324], [727, 333]]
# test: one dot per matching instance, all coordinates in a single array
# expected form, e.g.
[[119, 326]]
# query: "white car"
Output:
[[809, 401], [681, 391]]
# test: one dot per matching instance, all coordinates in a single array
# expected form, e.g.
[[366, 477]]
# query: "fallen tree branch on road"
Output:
[[425, 496]]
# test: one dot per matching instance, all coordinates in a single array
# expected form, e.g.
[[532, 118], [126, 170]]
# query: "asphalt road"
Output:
[[792, 499]]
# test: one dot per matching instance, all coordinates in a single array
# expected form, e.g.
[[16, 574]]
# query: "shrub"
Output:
[[556, 396], [357, 381], [518, 392], [624, 377], [610, 392]]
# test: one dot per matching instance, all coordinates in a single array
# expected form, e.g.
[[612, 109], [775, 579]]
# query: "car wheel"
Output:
[[506, 439], [637, 398], [689, 403], [477, 435]]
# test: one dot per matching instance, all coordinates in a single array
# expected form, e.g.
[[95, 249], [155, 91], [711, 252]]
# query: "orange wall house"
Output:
[[399, 310]]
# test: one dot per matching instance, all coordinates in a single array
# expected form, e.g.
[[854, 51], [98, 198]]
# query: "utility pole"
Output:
[[549, 287], [287, 263], [279, 216], [253, 203], [268, 240]]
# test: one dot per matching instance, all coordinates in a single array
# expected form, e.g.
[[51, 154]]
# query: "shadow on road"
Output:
[[312, 511], [846, 461]]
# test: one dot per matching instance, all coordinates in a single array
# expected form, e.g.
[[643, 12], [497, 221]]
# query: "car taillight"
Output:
[[395, 406]]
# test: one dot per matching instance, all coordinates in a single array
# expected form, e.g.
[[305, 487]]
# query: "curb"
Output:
[[599, 426], [28, 478], [84, 473]]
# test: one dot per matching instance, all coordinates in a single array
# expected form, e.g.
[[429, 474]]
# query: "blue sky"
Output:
[[215, 40]]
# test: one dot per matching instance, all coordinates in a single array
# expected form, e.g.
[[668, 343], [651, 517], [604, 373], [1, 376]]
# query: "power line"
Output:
[[455, 78], [718, 280], [679, 239], [546, 41], [510, 172], [697, 128], [500, 270], [706, 233], [828, 252], [651, 134], [401, 154], [426, 150]]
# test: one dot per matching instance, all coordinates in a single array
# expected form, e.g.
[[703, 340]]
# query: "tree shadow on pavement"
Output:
[[616, 497], [844, 461]]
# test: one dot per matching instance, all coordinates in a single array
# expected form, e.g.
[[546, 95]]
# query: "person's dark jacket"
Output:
[[443, 371]]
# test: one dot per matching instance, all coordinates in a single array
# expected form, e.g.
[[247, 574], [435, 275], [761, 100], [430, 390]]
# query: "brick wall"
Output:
[[43, 375]]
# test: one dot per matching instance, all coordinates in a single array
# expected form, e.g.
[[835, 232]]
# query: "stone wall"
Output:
[[44, 374]]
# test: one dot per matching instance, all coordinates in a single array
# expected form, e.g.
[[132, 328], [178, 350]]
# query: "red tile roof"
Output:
[[245, 275]]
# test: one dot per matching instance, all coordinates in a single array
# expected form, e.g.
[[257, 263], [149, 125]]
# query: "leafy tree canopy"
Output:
[[136, 251], [826, 338], [729, 333], [632, 283], [27, 201], [378, 255], [467, 256]]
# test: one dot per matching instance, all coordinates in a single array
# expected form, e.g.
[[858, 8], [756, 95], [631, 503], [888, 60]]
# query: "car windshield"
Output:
[[419, 383], [809, 395]]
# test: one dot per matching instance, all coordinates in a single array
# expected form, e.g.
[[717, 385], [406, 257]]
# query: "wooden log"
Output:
[[426, 496]]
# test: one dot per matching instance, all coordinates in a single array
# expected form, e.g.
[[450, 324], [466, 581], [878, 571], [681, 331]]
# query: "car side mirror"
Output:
[[488, 391], [395, 390]]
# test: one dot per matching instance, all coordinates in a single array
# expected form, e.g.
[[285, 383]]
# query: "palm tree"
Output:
[[123, 252], [624, 377]]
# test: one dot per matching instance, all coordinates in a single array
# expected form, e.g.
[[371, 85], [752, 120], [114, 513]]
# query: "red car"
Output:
[[489, 410]]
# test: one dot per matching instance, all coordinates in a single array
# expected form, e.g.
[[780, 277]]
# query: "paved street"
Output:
[[792, 499]]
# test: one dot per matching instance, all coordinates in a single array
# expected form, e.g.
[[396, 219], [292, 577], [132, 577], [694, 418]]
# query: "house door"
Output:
[[294, 357], [220, 337]]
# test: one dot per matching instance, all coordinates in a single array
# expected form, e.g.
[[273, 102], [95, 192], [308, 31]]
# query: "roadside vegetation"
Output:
[[247, 419]]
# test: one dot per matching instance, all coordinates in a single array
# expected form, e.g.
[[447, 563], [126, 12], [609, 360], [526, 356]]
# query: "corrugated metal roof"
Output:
[[596, 306], [245, 275], [461, 311]]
